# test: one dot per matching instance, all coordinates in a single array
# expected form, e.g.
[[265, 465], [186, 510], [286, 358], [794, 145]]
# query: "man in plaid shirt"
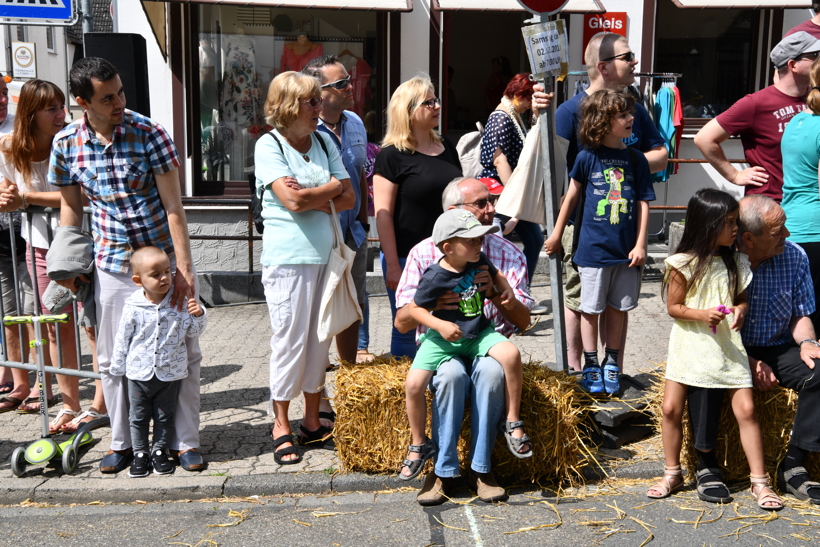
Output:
[[126, 165], [482, 381], [778, 335]]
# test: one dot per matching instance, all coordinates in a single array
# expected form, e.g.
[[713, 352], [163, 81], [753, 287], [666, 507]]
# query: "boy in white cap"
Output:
[[465, 331]]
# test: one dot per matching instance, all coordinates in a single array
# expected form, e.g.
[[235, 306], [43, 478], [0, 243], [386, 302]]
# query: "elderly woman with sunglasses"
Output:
[[413, 169], [298, 173]]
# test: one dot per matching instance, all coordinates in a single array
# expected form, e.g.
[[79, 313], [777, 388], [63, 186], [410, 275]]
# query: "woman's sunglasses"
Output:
[[314, 102]]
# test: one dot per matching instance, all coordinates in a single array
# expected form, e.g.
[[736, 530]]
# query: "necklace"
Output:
[[332, 126], [304, 156], [510, 111]]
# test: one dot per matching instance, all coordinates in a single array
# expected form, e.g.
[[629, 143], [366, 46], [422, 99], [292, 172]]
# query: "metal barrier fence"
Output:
[[30, 214]]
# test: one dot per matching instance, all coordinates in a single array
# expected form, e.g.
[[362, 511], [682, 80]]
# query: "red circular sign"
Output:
[[543, 6]]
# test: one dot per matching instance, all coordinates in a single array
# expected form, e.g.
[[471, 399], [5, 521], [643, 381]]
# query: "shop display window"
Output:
[[240, 50]]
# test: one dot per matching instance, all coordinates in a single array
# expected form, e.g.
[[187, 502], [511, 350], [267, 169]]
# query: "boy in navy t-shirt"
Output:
[[615, 187], [463, 332]]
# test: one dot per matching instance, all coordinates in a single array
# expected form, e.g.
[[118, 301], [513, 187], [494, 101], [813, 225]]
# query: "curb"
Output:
[[65, 490]]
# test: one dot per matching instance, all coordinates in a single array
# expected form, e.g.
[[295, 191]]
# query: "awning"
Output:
[[370, 5], [741, 4], [573, 6]]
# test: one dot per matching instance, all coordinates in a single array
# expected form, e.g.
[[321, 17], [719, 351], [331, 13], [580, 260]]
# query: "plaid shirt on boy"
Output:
[[504, 255], [118, 179], [781, 289]]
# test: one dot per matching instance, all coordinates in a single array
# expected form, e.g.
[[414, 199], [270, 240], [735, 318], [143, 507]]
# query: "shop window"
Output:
[[713, 49], [240, 50]]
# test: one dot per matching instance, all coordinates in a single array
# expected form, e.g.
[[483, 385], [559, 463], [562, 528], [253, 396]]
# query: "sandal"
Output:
[[425, 451], [34, 400], [515, 443], [76, 423], [54, 428], [277, 454], [6, 387], [717, 484], [318, 437], [330, 416], [14, 403], [671, 482], [801, 492], [764, 494]]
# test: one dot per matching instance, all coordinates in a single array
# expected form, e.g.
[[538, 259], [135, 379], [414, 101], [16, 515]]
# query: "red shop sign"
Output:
[[603, 22]]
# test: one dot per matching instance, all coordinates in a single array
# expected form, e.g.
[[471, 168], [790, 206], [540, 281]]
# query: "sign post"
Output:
[[51, 13], [547, 48]]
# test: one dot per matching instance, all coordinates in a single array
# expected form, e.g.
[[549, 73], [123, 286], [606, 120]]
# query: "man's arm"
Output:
[[171, 197], [708, 141], [802, 329], [518, 314], [658, 159]]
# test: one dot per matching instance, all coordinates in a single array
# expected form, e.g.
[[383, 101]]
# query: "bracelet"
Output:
[[23, 198], [810, 341]]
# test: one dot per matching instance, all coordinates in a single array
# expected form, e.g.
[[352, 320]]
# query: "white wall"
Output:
[[793, 17], [415, 40]]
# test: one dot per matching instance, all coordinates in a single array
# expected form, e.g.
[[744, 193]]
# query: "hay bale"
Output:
[[372, 432], [775, 413]]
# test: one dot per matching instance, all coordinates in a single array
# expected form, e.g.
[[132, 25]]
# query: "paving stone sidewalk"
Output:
[[235, 426]]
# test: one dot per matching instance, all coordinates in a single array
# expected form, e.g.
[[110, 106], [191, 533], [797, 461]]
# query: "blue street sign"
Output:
[[52, 10]]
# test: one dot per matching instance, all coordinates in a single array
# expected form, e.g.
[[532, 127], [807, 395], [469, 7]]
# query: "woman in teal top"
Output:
[[800, 147], [297, 178]]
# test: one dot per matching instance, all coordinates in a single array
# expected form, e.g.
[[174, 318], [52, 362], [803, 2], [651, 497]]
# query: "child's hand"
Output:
[[194, 308], [450, 331], [740, 315], [508, 298], [638, 256], [292, 183], [510, 225], [713, 316], [552, 244]]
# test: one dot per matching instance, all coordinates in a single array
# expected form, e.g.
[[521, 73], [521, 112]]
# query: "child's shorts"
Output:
[[616, 286], [435, 350]]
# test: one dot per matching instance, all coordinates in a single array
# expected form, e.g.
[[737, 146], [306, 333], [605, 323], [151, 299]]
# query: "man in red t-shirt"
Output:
[[760, 118], [812, 26]]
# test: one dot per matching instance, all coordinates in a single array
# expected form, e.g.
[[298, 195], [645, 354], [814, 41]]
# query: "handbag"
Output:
[[339, 307], [523, 195]]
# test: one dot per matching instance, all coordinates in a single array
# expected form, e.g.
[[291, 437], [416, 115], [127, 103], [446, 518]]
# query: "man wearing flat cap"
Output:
[[760, 119]]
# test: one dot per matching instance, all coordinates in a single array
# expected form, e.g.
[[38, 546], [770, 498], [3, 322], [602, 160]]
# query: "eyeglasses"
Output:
[[313, 102], [432, 103], [482, 203], [338, 84], [808, 56], [629, 56]]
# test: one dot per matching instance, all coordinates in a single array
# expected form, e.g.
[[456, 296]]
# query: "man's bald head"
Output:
[[469, 193]]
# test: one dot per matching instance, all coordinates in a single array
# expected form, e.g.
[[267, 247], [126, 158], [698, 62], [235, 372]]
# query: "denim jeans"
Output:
[[400, 344], [530, 235], [482, 382], [364, 326], [152, 399]]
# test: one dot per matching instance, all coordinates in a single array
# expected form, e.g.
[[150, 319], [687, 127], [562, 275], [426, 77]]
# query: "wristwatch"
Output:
[[810, 341]]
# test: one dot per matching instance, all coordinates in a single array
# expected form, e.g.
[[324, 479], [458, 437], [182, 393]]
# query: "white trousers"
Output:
[[298, 360], [110, 293]]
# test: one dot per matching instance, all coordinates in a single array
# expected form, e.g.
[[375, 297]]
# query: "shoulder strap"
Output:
[[322, 144], [278, 142]]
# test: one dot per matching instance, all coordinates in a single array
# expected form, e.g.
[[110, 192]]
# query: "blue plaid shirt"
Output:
[[781, 289], [353, 150], [119, 180]]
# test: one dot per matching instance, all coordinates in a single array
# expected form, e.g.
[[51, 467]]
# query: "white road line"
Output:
[[473, 526]]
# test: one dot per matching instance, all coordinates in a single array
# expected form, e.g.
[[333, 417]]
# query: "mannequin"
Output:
[[300, 52]]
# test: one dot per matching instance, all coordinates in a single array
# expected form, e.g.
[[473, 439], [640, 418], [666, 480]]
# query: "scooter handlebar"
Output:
[[23, 319]]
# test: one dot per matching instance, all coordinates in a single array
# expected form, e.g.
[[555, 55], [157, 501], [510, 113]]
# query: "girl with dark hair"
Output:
[[500, 149], [706, 282]]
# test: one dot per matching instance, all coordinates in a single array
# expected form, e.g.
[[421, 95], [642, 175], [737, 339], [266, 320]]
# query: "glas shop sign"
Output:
[[603, 22]]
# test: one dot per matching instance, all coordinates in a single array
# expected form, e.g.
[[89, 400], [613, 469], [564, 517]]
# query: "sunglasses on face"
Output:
[[482, 203], [314, 102], [629, 56], [338, 84], [808, 56]]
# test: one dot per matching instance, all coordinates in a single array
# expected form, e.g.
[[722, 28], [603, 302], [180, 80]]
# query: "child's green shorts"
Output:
[[435, 350]]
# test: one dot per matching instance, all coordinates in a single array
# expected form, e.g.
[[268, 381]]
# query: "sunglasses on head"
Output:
[[338, 84], [629, 56]]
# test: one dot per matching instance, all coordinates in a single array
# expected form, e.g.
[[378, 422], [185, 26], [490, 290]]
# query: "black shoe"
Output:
[[141, 466], [161, 462]]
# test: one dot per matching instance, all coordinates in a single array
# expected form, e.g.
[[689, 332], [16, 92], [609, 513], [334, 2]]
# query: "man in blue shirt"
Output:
[[350, 137]]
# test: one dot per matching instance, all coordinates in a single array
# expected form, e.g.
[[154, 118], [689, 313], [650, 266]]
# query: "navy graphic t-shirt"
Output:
[[614, 186], [435, 281]]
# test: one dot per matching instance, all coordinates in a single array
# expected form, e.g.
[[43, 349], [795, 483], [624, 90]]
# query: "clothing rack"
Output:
[[340, 39]]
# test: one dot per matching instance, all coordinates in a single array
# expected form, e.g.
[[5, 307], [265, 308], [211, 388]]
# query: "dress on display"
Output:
[[293, 61]]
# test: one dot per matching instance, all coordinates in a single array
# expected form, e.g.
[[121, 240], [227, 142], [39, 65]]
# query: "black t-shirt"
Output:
[[469, 316], [421, 181]]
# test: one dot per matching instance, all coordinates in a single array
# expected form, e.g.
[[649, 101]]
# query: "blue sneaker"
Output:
[[612, 383], [591, 381]]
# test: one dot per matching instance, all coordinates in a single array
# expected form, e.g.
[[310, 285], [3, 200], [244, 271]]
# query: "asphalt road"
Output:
[[619, 516]]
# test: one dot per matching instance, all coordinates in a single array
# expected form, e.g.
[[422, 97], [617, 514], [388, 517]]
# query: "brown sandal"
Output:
[[764, 494], [667, 485]]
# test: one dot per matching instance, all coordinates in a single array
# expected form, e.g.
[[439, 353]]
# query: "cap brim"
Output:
[[478, 231]]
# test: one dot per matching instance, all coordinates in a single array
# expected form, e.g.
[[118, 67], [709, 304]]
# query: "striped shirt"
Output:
[[781, 289], [504, 255], [119, 180]]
